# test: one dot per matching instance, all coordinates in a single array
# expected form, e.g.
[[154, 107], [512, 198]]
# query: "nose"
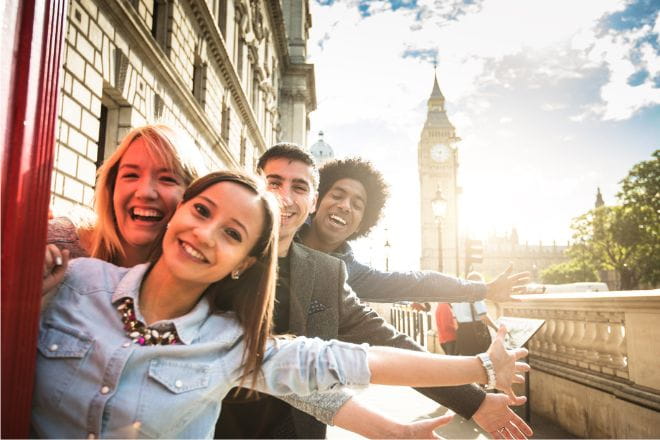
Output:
[[284, 196], [344, 204], [146, 189], [205, 234]]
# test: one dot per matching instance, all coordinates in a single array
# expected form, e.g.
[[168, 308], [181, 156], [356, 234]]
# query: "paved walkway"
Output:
[[405, 404]]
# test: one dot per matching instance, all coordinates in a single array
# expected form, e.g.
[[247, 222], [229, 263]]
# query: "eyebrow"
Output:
[[344, 191], [241, 225], [296, 180], [137, 167]]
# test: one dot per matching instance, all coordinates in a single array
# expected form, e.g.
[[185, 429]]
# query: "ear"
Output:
[[245, 264]]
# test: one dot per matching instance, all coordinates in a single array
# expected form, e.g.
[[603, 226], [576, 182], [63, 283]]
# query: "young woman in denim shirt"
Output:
[[150, 351]]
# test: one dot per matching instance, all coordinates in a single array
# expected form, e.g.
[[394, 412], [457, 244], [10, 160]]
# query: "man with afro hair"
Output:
[[351, 198]]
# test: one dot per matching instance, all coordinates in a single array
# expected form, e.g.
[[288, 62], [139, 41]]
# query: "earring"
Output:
[[235, 275]]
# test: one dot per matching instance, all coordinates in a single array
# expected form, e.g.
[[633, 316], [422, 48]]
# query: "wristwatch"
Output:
[[490, 371]]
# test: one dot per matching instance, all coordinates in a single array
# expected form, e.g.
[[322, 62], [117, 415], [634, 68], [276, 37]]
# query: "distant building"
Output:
[[322, 151], [231, 73], [499, 251]]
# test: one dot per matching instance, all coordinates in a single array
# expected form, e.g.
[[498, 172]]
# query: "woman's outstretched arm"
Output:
[[390, 366]]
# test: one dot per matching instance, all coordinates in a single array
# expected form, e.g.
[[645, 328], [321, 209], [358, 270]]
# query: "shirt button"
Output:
[[126, 344], [105, 390], [54, 347], [178, 384]]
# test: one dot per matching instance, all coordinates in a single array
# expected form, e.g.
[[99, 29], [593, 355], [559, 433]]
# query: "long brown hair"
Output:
[[163, 143], [251, 296]]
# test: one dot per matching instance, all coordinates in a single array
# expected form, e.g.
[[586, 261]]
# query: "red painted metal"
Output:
[[27, 163]]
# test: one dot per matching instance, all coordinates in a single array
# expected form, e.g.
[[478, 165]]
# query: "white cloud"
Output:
[[373, 101]]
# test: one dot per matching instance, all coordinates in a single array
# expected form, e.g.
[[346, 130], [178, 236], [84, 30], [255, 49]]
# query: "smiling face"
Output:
[[340, 212], [213, 233], [145, 196], [291, 181]]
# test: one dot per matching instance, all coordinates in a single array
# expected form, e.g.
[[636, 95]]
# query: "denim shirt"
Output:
[[91, 380], [421, 286]]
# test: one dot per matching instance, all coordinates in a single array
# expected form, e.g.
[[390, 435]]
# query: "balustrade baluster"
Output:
[[615, 344], [559, 334], [602, 336], [568, 341], [590, 335]]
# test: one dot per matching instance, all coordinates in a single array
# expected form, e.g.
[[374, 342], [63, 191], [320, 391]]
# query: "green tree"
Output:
[[571, 271], [625, 238]]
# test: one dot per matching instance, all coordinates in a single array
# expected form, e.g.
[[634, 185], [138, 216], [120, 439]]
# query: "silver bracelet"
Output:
[[490, 371]]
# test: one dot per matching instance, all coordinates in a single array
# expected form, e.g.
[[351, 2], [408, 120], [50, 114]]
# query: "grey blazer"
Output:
[[323, 305]]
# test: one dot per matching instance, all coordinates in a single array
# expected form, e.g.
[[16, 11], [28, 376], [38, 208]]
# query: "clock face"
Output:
[[440, 152]]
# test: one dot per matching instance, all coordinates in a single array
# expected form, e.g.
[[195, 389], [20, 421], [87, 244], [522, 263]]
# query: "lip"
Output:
[[187, 252], [334, 224], [146, 215]]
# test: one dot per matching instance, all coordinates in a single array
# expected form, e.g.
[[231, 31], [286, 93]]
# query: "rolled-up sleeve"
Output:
[[305, 365]]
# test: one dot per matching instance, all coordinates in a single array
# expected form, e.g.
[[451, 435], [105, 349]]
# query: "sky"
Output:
[[552, 99]]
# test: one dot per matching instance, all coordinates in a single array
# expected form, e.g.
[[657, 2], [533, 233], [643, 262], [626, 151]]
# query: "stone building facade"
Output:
[[230, 73], [438, 166], [500, 251]]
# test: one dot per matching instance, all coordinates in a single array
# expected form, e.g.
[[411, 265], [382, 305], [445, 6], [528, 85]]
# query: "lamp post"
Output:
[[439, 207], [387, 247]]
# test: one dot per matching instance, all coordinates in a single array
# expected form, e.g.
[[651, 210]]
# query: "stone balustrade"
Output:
[[596, 361]]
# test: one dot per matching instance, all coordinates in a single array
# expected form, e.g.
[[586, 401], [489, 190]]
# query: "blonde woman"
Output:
[[137, 190]]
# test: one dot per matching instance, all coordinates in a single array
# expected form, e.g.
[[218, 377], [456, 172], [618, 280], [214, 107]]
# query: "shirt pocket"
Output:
[[175, 394], [62, 351]]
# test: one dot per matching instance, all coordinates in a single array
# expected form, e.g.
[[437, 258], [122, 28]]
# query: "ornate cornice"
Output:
[[217, 47], [139, 37]]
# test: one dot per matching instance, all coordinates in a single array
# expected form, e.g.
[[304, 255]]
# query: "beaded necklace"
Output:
[[140, 333]]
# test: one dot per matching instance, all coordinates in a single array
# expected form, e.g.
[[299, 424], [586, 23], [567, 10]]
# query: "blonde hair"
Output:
[[163, 143]]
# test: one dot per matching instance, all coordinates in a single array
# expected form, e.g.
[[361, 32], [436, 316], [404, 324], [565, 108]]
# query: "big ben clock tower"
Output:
[[438, 165]]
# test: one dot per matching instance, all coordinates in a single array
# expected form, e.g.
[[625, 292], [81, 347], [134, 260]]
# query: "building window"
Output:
[[103, 127], [243, 146], [239, 58], [255, 93], [199, 80], [161, 28], [222, 18], [159, 106], [224, 128]]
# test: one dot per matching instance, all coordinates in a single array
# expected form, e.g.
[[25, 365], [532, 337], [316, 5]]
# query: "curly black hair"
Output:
[[364, 172], [291, 151]]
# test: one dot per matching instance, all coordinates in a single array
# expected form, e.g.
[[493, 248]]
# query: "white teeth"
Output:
[[338, 219], [142, 212], [192, 251]]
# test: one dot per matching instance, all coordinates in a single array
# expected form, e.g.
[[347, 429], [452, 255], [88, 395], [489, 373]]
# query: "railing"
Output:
[[416, 324], [600, 348]]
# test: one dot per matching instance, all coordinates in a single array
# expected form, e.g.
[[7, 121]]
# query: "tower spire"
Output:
[[599, 198]]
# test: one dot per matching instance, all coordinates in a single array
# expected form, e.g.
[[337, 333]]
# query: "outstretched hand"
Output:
[[507, 370], [425, 428], [505, 285], [55, 265], [496, 418]]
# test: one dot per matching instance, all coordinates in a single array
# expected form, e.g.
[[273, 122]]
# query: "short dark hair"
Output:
[[364, 172], [289, 150]]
